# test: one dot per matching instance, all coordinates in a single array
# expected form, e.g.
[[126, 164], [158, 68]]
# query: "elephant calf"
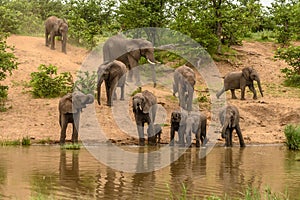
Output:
[[184, 82], [239, 80], [157, 133], [114, 75], [186, 124], [70, 107], [229, 117]]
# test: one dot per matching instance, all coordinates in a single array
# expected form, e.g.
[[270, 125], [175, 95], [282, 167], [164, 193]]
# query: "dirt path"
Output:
[[263, 120]]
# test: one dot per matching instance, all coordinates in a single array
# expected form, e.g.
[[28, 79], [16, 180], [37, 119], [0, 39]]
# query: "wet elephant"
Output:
[[56, 27], [70, 107]]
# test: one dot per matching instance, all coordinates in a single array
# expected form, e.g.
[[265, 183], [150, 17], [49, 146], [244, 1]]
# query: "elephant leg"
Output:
[[242, 93], [122, 93], [46, 39], [220, 92], [115, 94], [151, 136], [136, 73], [239, 133], [198, 138], [140, 128], [172, 135], [52, 39], [233, 94], [153, 75], [130, 75], [230, 137], [75, 128], [227, 137], [252, 89], [175, 90], [63, 126], [188, 139], [181, 133], [189, 100]]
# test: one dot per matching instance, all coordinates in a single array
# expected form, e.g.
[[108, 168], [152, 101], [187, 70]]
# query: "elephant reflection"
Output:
[[69, 170]]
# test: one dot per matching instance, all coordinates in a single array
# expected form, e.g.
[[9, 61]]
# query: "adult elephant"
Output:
[[144, 107], [230, 120], [184, 82], [56, 27], [114, 75], [129, 51], [70, 107], [239, 80]]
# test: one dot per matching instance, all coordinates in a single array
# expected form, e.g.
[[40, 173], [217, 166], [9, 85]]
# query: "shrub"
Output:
[[46, 83], [86, 82], [292, 134], [8, 63]]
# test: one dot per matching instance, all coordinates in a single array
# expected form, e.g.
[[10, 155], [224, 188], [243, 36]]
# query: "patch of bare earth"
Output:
[[262, 120]]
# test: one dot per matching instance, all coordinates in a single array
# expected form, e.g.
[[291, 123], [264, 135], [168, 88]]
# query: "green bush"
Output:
[[292, 79], [86, 82], [292, 134], [46, 83]]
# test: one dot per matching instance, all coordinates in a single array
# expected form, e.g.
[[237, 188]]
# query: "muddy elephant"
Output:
[[239, 80], [129, 51], [70, 107], [56, 27], [144, 107], [186, 123], [114, 75], [183, 84], [230, 120]]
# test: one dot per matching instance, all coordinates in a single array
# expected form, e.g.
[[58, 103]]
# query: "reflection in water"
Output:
[[67, 174]]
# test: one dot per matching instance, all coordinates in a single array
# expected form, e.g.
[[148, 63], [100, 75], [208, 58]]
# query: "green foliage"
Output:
[[138, 90], [8, 63], [292, 134], [86, 82], [9, 19], [46, 83], [291, 56], [25, 141], [74, 146]]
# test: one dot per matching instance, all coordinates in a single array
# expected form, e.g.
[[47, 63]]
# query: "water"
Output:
[[47, 172]]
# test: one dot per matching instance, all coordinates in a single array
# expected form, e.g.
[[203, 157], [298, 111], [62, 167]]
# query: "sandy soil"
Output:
[[262, 120]]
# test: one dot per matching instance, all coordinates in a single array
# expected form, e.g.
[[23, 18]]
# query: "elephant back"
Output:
[[186, 73]]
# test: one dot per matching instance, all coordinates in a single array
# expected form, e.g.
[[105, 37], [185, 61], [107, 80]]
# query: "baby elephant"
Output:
[[175, 127], [229, 117], [70, 107], [157, 133], [240, 80]]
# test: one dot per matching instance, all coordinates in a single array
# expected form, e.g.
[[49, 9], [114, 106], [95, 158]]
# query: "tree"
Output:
[[8, 63]]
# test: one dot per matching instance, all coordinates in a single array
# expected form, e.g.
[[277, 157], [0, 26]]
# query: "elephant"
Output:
[[70, 107], [157, 133], [239, 80], [144, 107], [184, 82], [114, 75], [56, 27], [229, 117], [129, 51], [186, 123]]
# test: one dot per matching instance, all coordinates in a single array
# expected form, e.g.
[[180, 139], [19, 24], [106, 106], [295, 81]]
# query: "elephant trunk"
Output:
[[259, 87], [99, 90]]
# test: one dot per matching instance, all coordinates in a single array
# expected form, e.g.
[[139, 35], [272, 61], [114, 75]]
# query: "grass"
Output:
[[292, 134], [74, 146], [262, 36], [25, 141]]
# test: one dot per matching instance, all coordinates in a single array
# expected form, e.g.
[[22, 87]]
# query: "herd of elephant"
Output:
[[122, 55]]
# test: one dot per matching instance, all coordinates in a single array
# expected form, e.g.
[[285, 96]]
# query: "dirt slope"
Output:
[[262, 120]]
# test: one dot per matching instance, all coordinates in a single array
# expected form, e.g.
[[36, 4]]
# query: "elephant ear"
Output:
[[65, 104], [133, 49], [246, 72], [149, 101]]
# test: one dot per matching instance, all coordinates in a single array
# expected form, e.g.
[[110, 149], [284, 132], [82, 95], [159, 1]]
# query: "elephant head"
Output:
[[74, 102], [143, 101], [103, 74], [251, 75], [62, 31], [138, 48]]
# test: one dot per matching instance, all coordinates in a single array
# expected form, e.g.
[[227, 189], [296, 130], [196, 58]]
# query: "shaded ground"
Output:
[[262, 120]]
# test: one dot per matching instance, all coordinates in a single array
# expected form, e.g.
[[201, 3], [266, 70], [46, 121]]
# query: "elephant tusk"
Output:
[[149, 61]]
